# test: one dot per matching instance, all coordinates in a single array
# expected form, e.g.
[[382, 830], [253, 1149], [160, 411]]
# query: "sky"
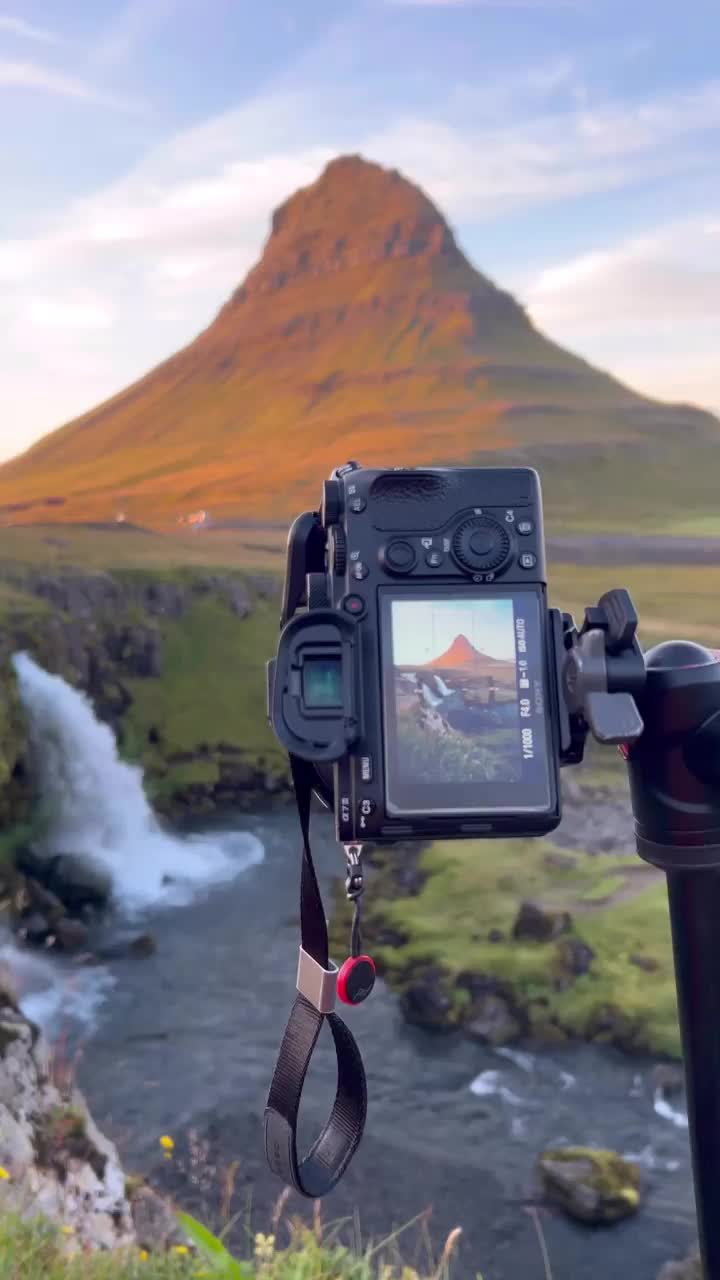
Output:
[[422, 631], [572, 144]]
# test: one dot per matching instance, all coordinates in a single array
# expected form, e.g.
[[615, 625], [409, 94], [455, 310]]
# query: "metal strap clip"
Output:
[[318, 985]]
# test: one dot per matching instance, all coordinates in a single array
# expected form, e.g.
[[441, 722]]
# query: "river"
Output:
[[186, 1040]]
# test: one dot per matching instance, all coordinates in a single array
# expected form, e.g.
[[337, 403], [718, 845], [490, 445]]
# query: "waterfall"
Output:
[[97, 806]]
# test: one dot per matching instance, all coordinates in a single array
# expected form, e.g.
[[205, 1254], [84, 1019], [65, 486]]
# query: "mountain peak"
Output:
[[362, 332], [356, 214]]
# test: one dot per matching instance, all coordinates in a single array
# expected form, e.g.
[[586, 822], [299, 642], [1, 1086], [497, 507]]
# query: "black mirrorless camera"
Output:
[[419, 666], [423, 688]]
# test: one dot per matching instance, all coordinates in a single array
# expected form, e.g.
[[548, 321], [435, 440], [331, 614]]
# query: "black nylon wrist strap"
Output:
[[332, 1152]]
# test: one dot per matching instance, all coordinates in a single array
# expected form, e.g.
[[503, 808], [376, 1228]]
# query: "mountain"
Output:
[[463, 656], [362, 332]]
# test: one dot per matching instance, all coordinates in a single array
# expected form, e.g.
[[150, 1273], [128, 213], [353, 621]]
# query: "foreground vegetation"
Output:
[[34, 1250]]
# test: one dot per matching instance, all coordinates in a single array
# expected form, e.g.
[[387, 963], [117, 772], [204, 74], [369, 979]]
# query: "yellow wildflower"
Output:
[[4, 1175], [143, 1255], [167, 1143], [181, 1248], [68, 1231], [264, 1247]]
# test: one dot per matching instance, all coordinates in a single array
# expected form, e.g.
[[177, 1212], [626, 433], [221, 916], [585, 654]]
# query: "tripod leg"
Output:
[[695, 915]]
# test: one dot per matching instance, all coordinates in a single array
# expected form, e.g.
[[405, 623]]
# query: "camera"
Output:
[[419, 667]]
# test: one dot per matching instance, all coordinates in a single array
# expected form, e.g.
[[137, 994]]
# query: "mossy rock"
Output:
[[597, 1187]]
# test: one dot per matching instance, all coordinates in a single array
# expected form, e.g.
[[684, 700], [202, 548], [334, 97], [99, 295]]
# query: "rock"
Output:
[[560, 861], [574, 957], [143, 944], [77, 879], [648, 963], [496, 935], [163, 598], [608, 1024], [493, 1021], [60, 1165], [70, 935], [44, 900], [236, 773], [668, 1078], [425, 1001], [35, 927], [536, 924], [690, 1269], [591, 1186], [154, 1220], [386, 936]]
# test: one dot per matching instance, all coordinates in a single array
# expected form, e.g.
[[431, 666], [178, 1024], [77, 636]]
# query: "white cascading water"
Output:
[[97, 805]]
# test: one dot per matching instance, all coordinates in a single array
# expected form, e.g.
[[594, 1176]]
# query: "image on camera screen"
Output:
[[455, 690]]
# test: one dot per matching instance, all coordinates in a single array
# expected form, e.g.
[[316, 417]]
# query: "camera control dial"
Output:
[[339, 550], [481, 544]]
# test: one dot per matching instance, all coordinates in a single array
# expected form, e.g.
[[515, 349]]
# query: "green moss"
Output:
[[592, 1185], [211, 689], [472, 892]]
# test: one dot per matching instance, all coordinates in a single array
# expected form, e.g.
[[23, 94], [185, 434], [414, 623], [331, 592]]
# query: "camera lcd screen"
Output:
[[464, 703]]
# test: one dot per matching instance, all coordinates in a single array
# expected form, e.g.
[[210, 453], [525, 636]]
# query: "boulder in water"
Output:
[[142, 944], [77, 879], [592, 1186], [690, 1269], [669, 1079], [70, 935]]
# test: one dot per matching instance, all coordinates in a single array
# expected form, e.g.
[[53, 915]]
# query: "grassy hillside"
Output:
[[364, 332]]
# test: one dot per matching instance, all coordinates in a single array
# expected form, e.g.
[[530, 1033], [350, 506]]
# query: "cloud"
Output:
[[33, 77], [18, 27], [82, 312], [131, 28], [648, 307]]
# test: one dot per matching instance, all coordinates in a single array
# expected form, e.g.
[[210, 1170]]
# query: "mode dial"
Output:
[[481, 544]]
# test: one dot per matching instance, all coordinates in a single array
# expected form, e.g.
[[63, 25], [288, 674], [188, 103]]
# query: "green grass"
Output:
[[673, 601], [33, 1250], [211, 691], [475, 888], [603, 890], [56, 547]]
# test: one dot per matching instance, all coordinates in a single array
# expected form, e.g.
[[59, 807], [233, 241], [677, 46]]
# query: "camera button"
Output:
[[366, 768], [528, 560], [366, 807], [359, 570], [357, 505], [434, 559], [525, 527], [354, 605], [400, 556]]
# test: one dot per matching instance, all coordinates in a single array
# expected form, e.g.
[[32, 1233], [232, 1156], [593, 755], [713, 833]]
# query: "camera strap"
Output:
[[318, 983]]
